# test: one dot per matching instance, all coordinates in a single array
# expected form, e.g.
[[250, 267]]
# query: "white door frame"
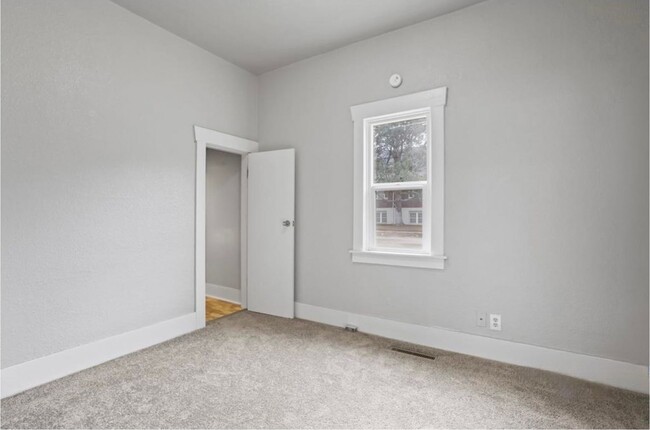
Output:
[[206, 138]]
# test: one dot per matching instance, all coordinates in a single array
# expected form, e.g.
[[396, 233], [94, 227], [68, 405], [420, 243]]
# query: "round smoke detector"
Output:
[[395, 80]]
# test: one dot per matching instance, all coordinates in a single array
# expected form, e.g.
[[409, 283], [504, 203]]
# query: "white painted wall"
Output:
[[98, 173], [222, 227], [546, 172]]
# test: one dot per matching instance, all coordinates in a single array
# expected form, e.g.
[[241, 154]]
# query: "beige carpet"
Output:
[[249, 371]]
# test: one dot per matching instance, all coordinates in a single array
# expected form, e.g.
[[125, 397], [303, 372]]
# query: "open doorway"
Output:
[[239, 148], [267, 188], [222, 234]]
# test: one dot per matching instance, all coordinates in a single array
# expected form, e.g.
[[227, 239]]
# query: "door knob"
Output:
[[286, 223]]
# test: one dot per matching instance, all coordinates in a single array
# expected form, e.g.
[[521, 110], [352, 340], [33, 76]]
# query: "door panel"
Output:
[[271, 198]]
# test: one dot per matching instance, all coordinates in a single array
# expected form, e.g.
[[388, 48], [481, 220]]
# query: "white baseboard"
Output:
[[223, 293], [36, 372], [605, 371], [629, 376]]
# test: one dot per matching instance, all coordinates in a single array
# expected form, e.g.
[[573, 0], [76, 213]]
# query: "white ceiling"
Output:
[[262, 35]]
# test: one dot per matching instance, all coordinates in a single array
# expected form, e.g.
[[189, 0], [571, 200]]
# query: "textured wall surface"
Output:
[[222, 219], [546, 172], [98, 163], [546, 180]]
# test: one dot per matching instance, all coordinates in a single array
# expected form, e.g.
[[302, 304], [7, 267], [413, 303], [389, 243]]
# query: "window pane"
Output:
[[415, 216], [398, 224], [400, 151]]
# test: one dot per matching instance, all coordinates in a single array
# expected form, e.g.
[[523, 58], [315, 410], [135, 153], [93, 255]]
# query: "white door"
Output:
[[271, 232]]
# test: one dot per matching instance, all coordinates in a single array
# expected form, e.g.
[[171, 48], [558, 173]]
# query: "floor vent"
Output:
[[410, 352]]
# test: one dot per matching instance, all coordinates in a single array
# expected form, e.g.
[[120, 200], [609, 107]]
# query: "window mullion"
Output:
[[415, 185]]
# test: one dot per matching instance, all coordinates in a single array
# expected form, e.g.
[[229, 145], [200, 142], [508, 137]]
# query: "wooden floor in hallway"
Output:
[[215, 308]]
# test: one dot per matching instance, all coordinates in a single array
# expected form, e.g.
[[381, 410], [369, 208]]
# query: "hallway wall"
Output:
[[223, 199]]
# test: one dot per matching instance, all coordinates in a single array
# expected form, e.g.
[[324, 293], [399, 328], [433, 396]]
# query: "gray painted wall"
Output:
[[98, 173], [222, 218], [546, 172]]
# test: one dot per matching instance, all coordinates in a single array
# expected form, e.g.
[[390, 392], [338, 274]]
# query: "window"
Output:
[[382, 217], [415, 217], [399, 175]]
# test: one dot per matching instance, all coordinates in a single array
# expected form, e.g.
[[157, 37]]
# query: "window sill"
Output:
[[404, 260]]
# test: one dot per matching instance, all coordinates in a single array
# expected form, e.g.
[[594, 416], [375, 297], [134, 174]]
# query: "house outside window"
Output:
[[399, 172]]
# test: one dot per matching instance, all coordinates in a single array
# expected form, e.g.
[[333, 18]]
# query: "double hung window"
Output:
[[399, 180]]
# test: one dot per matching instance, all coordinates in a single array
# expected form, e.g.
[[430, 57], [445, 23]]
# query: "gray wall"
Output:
[[222, 218], [546, 172], [98, 170]]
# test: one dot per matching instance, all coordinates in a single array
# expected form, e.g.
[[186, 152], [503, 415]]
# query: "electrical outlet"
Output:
[[495, 322], [481, 319]]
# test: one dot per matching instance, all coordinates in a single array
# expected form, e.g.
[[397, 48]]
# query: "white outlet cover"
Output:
[[495, 322]]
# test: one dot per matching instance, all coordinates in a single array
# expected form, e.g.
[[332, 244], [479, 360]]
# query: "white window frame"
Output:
[[370, 239], [432, 104]]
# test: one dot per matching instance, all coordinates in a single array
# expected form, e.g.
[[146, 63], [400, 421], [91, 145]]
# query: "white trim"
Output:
[[206, 138], [596, 369], [431, 104], [220, 292], [399, 259], [435, 97], [243, 234], [199, 240], [224, 142], [21, 377]]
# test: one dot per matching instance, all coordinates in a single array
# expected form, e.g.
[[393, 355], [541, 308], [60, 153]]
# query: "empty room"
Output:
[[324, 214]]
